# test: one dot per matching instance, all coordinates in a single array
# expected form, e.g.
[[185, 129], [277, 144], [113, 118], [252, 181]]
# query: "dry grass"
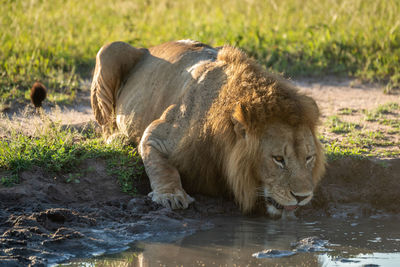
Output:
[[30, 123]]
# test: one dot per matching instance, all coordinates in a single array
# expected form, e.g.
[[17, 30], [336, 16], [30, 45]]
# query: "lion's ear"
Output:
[[240, 120]]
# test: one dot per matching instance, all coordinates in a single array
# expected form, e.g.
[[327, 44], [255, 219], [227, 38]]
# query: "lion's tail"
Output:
[[113, 63]]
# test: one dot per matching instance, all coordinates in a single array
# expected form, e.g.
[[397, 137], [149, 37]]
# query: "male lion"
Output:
[[212, 121]]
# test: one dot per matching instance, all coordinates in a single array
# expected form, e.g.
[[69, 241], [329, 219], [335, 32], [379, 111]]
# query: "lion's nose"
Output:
[[299, 198]]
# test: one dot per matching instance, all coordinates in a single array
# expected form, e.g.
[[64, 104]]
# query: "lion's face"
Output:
[[286, 172]]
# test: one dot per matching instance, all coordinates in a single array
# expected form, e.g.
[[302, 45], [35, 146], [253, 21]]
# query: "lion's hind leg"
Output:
[[113, 63]]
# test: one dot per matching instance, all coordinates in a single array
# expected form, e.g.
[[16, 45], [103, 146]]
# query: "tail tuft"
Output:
[[38, 94]]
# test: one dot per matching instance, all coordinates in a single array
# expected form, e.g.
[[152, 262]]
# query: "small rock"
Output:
[[310, 244], [138, 205], [273, 253]]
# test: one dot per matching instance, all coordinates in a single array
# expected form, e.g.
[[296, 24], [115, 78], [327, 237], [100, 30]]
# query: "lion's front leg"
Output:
[[164, 178]]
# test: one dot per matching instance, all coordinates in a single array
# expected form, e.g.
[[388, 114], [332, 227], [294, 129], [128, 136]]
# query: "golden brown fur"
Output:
[[257, 99], [213, 129]]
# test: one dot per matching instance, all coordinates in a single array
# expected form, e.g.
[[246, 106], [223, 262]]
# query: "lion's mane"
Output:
[[257, 99]]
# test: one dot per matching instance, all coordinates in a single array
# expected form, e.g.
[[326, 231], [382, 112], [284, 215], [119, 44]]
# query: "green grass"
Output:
[[347, 111], [337, 150], [336, 125], [56, 41], [379, 115], [360, 144], [380, 111], [60, 150], [394, 123], [357, 140]]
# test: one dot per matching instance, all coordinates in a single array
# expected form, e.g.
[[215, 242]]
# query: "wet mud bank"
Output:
[[46, 220], [355, 187]]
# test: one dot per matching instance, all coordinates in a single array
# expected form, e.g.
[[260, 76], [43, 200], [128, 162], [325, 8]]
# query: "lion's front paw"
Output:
[[177, 200]]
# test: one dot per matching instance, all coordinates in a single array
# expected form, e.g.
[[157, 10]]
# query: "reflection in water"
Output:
[[373, 259], [233, 241]]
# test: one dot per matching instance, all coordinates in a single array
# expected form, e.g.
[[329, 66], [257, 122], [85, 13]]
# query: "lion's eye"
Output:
[[279, 160], [309, 159]]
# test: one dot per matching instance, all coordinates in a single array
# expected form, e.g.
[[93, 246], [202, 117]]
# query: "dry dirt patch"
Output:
[[333, 94], [367, 120]]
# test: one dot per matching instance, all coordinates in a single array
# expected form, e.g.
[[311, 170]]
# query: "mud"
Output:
[[46, 220], [357, 188]]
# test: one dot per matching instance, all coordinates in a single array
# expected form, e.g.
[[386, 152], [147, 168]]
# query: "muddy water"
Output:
[[262, 242]]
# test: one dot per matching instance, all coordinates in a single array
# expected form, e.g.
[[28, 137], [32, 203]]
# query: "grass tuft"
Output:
[[336, 125], [347, 111], [380, 111], [60, 150]]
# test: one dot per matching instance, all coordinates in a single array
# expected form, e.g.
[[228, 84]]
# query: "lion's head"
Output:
[[290, 167], [268, 131], [283, 163]]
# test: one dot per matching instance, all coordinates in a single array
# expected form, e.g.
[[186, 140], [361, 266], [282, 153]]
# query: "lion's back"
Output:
[[168, 75]]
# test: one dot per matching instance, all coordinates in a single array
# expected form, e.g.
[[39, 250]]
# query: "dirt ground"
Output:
[[44, 220], [335, 96]]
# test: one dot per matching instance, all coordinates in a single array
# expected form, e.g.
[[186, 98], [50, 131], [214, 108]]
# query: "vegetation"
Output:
[[343, 138], [338, 126], [380, 112], [56, 41], [56, 150]]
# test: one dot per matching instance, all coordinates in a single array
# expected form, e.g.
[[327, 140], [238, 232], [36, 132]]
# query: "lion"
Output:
[[210, 121]]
